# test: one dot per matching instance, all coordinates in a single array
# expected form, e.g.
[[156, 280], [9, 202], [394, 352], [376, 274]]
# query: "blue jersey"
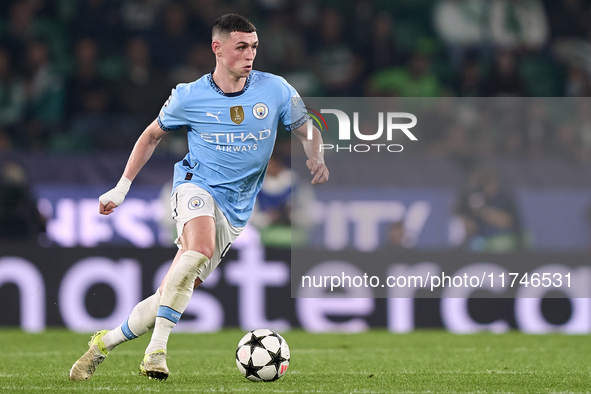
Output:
[[231, 136]]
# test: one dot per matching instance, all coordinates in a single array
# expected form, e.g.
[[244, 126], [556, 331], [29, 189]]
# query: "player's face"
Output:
[[237, 53]]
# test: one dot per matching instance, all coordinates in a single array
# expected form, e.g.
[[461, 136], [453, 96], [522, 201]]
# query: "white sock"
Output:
[[162, 331], [139, 322], [176, 295]]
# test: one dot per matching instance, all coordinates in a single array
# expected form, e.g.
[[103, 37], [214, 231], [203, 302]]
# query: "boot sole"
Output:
[[157, 375]]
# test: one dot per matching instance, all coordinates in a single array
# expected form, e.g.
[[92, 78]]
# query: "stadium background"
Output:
[[80, 79]]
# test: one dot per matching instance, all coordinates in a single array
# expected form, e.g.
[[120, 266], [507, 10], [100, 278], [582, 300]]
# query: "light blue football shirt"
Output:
[[231, 136]]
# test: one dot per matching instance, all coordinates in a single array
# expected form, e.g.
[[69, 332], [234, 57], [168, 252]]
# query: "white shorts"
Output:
[[189, 201]]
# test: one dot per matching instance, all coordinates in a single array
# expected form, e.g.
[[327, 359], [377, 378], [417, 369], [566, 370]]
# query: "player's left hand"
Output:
[[319, 170]]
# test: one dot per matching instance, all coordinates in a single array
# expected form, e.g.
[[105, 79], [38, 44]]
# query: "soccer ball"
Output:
[[262, 355]]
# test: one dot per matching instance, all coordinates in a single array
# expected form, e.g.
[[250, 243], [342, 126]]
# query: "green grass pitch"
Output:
[[372, 362]]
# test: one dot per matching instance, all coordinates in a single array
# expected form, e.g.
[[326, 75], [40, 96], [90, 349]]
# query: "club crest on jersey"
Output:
[[196, 203], [237, 114], [260, 111]]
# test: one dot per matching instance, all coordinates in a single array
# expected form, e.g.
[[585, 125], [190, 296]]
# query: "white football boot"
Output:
[[96, 354], [154, 365]]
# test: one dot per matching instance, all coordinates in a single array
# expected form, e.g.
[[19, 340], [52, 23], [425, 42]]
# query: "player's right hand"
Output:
[[106, 203], [114, 197]]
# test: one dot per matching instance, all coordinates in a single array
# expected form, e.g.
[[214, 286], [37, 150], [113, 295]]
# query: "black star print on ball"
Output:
[[251, 370], [254, 341]]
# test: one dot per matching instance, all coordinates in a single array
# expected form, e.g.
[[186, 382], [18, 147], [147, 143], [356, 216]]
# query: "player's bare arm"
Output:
[[141, 153], [315, 162]]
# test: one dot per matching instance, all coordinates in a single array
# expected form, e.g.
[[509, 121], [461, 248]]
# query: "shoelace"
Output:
[[96, 360]]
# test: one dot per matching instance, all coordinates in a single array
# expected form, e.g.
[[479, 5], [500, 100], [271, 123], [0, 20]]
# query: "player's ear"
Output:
[[216, 47]]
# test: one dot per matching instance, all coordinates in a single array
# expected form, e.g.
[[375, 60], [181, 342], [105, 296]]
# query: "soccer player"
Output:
[[231, 115]]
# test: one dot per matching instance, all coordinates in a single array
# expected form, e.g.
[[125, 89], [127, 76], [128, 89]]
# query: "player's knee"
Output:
[[205, 250]]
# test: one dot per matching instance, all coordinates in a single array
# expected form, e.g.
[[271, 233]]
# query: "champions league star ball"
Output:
[[262, 355]]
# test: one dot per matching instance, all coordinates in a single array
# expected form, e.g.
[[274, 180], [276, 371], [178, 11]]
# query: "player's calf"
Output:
[[140, 321]]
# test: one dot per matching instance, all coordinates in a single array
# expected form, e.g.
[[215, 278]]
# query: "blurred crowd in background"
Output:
[[80, 76], [72, 70]]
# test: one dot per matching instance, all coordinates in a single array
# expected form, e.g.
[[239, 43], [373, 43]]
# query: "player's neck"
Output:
[[228, 82]]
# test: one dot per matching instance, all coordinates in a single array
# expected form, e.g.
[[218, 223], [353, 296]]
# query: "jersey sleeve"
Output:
[[172, 116], [293, 112]]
